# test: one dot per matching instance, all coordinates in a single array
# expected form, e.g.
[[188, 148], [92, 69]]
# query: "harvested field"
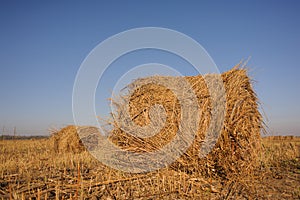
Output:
[[240, 166], [29, 169]]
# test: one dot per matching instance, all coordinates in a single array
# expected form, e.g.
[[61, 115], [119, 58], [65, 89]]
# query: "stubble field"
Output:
[[30, 169]]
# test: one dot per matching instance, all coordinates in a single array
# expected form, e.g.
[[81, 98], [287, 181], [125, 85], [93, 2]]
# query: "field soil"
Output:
[[30, 169]]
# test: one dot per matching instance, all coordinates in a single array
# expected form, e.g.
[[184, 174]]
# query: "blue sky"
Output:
[[42, 45]]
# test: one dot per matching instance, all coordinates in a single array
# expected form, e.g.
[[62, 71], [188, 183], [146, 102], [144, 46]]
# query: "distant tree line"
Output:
[[12, 137]]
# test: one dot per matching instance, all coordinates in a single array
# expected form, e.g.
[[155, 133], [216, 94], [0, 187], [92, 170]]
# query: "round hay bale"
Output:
[[237, 148], [67, 140]]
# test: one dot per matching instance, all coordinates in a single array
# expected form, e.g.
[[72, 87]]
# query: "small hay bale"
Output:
[[237, 148], [67, 140]]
